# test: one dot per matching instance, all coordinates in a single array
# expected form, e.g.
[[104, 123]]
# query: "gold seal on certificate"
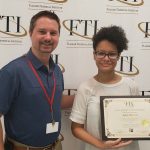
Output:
[[126, 117]]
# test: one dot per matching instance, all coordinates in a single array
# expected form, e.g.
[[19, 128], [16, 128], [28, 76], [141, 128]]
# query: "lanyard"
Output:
[[49, 99]]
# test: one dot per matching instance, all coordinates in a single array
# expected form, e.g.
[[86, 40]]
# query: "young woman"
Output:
[[108, 44]]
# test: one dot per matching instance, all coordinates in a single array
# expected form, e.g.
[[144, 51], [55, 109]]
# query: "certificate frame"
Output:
[[126, 117]]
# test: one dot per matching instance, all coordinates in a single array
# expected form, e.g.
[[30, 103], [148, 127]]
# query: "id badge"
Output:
[[51, 128]]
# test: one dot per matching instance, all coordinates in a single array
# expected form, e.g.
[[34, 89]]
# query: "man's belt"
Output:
[[19, 146]]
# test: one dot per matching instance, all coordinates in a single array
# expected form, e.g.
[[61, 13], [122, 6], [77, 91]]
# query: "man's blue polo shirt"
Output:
[[23, 103]]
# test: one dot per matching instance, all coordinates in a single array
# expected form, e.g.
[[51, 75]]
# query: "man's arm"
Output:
[[67, 101], [1, 135]]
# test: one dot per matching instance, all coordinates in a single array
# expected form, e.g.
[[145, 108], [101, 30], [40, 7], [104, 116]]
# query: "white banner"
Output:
[[80, 19]]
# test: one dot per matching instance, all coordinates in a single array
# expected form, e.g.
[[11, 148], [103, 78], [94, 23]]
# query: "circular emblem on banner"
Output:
[[133, 3], [135, 70], [79, 22], [143, 30], [59, 1], [15, 34]]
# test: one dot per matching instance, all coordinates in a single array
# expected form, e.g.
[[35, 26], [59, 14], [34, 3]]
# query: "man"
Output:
[[31, 90]]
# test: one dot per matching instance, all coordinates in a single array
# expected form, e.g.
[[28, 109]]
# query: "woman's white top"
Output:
[[86, 107]]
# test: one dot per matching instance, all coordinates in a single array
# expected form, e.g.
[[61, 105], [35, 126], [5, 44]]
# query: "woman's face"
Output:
[[106, 56]]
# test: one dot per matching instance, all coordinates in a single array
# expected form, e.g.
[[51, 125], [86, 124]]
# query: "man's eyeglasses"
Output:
[[101, 54]]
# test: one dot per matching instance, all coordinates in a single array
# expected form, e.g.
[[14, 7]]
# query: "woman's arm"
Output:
[[67, 101], [79, 132]]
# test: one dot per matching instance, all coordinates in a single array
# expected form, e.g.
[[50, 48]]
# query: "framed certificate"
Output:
[[126, 117]]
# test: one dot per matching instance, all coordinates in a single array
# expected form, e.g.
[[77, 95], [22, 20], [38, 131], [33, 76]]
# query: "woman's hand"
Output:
[[112, 144]]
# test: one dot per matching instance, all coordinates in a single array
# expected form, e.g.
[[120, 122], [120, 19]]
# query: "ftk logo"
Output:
[[131, 2], [59, 1], [126, 66], [82, 28], [10, 25], [145, 28]]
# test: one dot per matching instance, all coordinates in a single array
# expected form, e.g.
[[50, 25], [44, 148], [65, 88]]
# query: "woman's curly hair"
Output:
[[113, 34]]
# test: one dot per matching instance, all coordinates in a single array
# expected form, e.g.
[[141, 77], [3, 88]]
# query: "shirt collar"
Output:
[[37, 63]]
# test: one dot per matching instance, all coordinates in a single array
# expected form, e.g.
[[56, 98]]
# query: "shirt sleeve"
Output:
[[79, 109], [8, 83]]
